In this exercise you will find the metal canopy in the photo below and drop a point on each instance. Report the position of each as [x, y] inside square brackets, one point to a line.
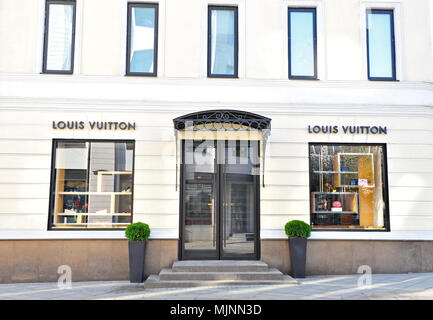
[224, 120]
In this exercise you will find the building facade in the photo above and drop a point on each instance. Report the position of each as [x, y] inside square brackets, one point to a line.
[215, 122]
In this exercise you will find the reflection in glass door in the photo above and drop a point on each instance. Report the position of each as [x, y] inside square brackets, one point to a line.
[199, 223]
[220, 192]
[239, 180]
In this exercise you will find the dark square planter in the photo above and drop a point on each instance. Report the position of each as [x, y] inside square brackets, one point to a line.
[136, 261]
[298, 256]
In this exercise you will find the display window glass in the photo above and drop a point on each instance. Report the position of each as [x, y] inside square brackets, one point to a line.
[92, 184]
[348, 186]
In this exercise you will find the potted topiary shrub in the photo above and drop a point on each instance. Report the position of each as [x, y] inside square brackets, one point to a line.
[137, 234]
[298, 231]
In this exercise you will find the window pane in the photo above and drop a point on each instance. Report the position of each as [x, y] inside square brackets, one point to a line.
[347, 187]
[142, 41]
[92, 185]
[302, 42]
[380, 46]
[60, 31]
[222, 42]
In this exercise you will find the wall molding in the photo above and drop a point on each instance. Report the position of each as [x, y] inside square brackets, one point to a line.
[174, 234]
[132, 93]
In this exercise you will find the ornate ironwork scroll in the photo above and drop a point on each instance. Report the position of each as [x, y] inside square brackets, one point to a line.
[224, 120]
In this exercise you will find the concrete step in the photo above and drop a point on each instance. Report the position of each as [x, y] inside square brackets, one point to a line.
[153, 281]
[270, 274]
[219, 266]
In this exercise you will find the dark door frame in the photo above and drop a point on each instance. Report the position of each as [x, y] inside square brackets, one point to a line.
[218, 183]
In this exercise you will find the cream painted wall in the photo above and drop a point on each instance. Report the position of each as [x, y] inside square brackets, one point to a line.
[343, 40]
[101, 37]
[30, 101]
[25, 156]
[103, 24]
[265, 30]
[418, 59]
[18, 32]
[183, 41]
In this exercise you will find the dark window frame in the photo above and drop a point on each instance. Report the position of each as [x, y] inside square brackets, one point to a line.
[390, 12]
[155, 39]
[385, 185]
[52, 182]
[314, 12]
[46, 32]
[235, 74]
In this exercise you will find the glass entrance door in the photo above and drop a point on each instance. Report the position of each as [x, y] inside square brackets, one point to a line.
[239, 179]
[220, 199]
[199, 171]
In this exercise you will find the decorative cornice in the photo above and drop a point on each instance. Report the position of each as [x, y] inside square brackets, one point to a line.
[95, 93]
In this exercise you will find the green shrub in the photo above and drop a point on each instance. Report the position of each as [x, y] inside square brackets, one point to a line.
[138, 231]
[297, 228]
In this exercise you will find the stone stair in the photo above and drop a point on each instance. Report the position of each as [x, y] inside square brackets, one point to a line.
[199, 273]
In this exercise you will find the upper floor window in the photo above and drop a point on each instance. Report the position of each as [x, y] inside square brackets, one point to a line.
[380, 45]
[302, 43]
[222, 42]
[142, 39]
[59, 37]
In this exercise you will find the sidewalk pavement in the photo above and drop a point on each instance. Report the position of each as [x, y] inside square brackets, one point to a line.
[336, 287]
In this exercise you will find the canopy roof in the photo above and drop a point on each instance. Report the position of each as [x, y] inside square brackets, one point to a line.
[222, 119]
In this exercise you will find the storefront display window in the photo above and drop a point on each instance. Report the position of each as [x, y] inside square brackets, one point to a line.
[348, 186]
[91, 184]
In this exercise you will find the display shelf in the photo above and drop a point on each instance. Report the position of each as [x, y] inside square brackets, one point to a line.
[93, 214]
[105, 218]
[91, 223]
[336, 196]
[333, 172]
[363, 165]
[90, 193]
[362, 173]
[335, 212]
[322, 208]
[102, 173]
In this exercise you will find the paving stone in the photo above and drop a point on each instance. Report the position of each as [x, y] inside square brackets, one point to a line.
[400, 287]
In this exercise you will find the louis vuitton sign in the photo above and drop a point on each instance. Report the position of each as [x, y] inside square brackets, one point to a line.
[93, 125]
[330, 129]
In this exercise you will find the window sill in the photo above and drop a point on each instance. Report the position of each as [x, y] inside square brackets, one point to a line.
[57, 72]
[222, 77]
[304, 78]
[140, 75]
[383, 79]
